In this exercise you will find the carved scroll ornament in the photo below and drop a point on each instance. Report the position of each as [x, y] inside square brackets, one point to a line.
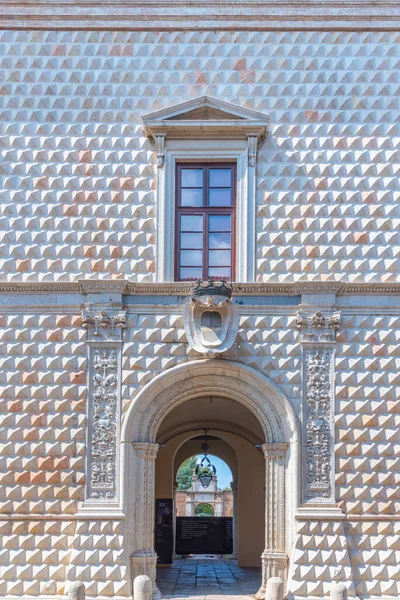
[103, 444]
[318, 422]
[318, 336]
[104, 355]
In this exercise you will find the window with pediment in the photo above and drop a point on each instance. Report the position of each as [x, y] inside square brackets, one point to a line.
[206, 153]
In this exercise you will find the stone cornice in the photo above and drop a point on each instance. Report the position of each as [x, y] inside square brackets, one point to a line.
[184, 289]
[234, 122]
[194, 15]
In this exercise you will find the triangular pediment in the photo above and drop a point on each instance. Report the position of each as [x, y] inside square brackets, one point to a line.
[205, 113]
[204, 117]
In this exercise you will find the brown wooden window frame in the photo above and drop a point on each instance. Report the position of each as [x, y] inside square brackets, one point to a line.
[204, 211]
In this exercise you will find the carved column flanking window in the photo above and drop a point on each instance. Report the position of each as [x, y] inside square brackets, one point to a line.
[274, 558]
[318, 341]
[104, 331]
[144, 558]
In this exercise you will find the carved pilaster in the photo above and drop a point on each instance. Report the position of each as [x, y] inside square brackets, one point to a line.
[252, 142]
[274, 558]
[318, 340]
[103, 406]
[144, 558]
[160, 150]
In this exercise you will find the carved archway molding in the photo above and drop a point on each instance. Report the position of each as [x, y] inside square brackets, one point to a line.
[139, 450]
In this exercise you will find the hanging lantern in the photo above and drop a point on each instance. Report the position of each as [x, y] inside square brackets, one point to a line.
[205, 471]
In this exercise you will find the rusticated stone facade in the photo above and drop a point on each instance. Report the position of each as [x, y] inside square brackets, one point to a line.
[78, 205]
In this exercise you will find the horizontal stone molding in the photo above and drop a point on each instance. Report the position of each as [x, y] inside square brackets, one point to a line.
[191, 14]
[185, 288]
[307, 515]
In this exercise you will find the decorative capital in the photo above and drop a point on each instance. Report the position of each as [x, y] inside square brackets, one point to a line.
[276, 450]
[318, 328]
[103, 327]
[146, 450]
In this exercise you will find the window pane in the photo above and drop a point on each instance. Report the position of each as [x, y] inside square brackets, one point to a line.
[190, 273]
[219, 241]
[191, 223]
[191, 197]
[220, 272]
[191, 258]
[192, 178]
[192, 240]
[219, 223]
[220, 197]
[220, 177]
[219, 257]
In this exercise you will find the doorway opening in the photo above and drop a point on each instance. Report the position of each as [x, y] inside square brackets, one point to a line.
[203, 505]
[193, 498]
[253, 416]
[222, 521]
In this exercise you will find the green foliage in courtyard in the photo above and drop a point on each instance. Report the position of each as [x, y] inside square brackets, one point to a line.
[185, 472]
[204, 510]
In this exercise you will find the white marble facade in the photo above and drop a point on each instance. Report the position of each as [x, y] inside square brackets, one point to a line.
[78, 205]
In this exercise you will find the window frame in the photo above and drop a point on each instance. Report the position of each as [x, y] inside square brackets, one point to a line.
[222, 150]
[204, 210]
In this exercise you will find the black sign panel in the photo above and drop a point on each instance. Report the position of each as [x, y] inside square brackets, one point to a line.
[164, 531]
[204, 535]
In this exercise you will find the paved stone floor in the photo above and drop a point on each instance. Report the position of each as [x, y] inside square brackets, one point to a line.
[207, 577]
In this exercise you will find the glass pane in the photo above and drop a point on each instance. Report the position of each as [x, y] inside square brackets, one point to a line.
[191, 197]
[220, 272]
[190, 273]
[220, 177]
[219, 223]
[219, 257]
[192, 240]
[191, 258]
[192, 177]
[220, 197]
[191, 223]
[219, 241]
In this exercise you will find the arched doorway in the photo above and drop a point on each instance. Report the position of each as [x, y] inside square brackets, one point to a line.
[277, 421]
[204, 510]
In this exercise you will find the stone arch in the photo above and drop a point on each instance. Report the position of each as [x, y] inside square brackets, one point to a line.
[139, 449]
[200, 505]
[227, 378]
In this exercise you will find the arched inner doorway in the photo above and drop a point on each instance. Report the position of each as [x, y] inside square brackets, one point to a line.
[236, 437]
[148, 426]
[196, 496]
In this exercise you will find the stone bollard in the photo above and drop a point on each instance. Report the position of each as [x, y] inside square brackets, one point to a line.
[76, 591]
[274, 590]
[338, 591]
[142, 588]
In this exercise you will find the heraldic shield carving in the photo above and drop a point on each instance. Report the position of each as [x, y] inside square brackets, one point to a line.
[211, 319]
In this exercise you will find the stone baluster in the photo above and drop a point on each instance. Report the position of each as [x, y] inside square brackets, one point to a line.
[144, 557]
[274, 558]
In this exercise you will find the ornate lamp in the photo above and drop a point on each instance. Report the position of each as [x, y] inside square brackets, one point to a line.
[205, 471]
